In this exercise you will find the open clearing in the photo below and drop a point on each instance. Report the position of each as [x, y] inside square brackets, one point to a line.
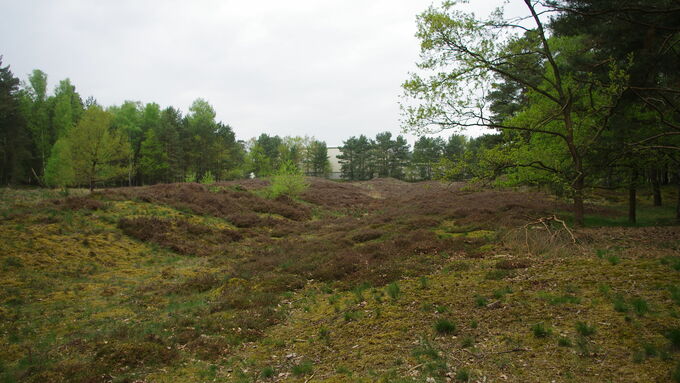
[370, 281]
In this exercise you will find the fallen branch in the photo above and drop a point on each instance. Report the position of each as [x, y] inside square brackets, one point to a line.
[545, 222]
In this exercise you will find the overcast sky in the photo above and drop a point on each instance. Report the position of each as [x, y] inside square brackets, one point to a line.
[325, 68]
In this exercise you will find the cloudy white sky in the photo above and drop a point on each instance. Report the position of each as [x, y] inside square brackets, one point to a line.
[325, 68]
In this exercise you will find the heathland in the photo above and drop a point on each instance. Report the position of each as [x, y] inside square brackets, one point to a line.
[369, 281]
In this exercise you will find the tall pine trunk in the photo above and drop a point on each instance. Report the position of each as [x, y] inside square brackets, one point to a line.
[677, 207]
[656, 186]
[632, 197]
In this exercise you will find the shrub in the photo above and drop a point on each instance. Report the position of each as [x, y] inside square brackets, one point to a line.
[267, 372]
[288, 181]
[324, 333]
[303, 368]
[540, 330]
[393, 290]
[208, 178]
[674, 336]
[444, 326]
[190, 177]
[675, 375]
[463, 375]
[640, 306]
[675, 294]
[620, 304]
[564, 342]
[650, 349]
[480, 301]
[585, 329]
[500, 293]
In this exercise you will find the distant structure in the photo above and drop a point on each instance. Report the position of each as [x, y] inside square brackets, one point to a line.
[336, 170]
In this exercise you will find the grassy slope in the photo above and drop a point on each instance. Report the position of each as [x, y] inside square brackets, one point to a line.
[84, 302]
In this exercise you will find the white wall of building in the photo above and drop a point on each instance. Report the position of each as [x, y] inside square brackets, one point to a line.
[333, 153]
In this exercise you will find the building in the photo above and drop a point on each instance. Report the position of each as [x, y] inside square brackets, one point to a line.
[336, 172]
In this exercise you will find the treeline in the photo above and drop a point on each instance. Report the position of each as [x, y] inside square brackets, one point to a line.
[363, 158]
[584, 94]
[59, 140]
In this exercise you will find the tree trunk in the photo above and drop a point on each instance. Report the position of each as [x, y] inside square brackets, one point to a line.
[656, 186]
[632, 197]
[578, 202]
[677, 207]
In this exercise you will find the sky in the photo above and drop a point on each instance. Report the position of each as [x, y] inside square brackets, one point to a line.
[330, 69]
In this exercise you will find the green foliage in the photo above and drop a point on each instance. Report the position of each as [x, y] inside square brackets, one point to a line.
[675, 374]
[548, 118]
[463, 375]
[444, 326]
[640, 306]
[673, 335]
[154, 163]
[316, 159]
[59, 170]
[287, 181]
[427, 151]
[99, 153]
[208, 178]
[540, 330]
[304, 368]
[393, 290]
[267, 372]
[584, 329]
[190, 177]
[500, 293]
[613, 259]
[15, 139]
[355, 160]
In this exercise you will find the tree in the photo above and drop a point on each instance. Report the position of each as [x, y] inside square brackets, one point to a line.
[127, 119]
[646, 135]
[462, 56]
[99, 152]
[227, 153]
[355, 160]
[258, 162]
[426, 152]
[15, 152]
[169, 134]
[153, 162]
[37, 116]
[455, 146]
[288, 181]
[201, 128]
[68, 107]
[271, 145]
[316, 159]
[59, 171]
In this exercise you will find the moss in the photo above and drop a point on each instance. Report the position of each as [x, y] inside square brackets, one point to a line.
[80, 298]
